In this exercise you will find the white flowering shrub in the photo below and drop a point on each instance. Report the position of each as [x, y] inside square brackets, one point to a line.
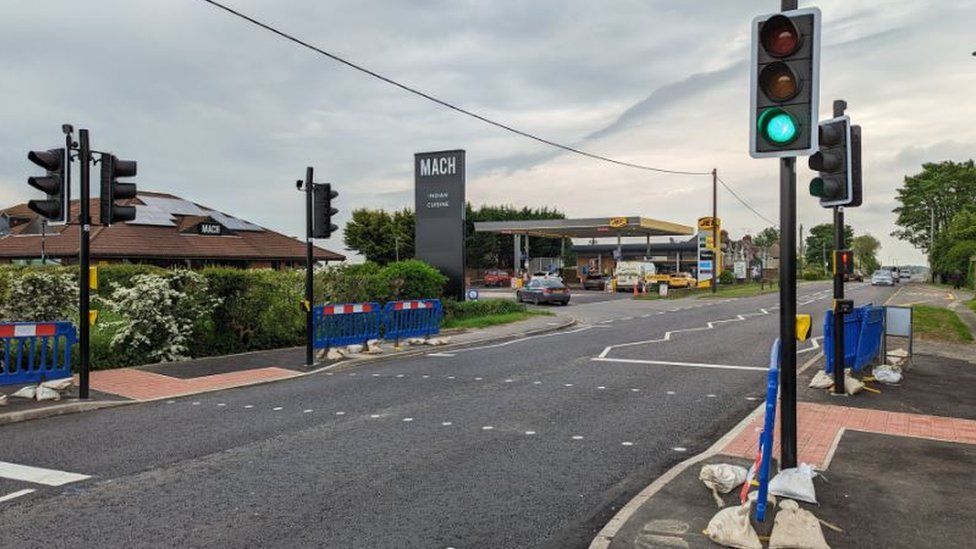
[40, 295]
[159, 314]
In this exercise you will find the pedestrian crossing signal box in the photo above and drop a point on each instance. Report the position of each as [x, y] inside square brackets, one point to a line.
[843, 262]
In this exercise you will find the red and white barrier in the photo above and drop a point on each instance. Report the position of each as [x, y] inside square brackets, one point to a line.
[27, 330]
[347, 308]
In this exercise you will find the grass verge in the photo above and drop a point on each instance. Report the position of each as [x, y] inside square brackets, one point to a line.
[938, 324]
[491, 319]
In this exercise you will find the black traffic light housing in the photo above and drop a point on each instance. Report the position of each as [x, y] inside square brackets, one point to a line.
[112, 190]
[322, 195]
[834, 185]
[857, 191]
[55, 206]
[785, 83]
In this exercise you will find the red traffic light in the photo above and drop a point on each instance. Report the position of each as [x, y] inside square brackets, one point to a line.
[779, 36]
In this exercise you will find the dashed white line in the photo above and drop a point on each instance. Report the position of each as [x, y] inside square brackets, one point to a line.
[221, 404]
[577, 437]
[170, 402]
[478, 378]
[407, 419]
[248, 406]
[509, 380]
[679, 449]
[487, 428]
[567, 384]
[38, 475]
[626, 443]
[686, 364]
[307, 411]
[340, 413]
[635, 390]
[536, 383]
[277, 408]
[374, 416]
[670, 392]
[446, 423]
[195, 403]
[710, 395]
[530, 433]
[602, 387]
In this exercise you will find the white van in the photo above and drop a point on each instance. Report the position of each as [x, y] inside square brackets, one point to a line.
[627, 274]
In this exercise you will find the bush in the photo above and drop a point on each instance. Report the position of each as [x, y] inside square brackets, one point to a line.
[159, 315]
[413, 279]
[727, 277]
[410, 279]
[43, 294]
[460, 310]
[813, 274]
[113, 277]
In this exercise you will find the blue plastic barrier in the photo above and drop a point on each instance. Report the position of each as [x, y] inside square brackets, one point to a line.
[769, 423]
[346, 324]
[414, 318]
[863, 329]
[31, 352]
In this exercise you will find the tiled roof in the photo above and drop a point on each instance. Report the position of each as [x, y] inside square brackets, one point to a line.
[128, 240]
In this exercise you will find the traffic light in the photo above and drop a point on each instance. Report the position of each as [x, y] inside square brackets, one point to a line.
[322, 195]
[843, 262]
[785, 83]
[112, 190]
[833, 161]
[55, 206]
[856, 185]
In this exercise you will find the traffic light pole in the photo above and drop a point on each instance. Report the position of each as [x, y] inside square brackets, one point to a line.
[309, 279]
[84, 286]
[838, 295]
[787, 301]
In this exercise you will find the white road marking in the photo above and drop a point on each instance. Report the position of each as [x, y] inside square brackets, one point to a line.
[445, 355]
[408, 419]
[450, 377]
[536, 383]
[340, 413]
[487, 428]
[425, 377]
[577, 437]
[567, 384]
[195, 403]
[38, 475]
[602, 387]
[376, 375]
[277, 408]
[814, 345]
[374, 416]
[514, 341]
[248, 406]
[446, 423]
[635, 390]
[509, 380]
[710, 395]
[685, 364]
[752, 398]
[307, 411]
[530, 432]
[399, 375]
[352, 373]
[170, 401]
[679, 449]
[221, 404]
[478, 378]
[670, 392]
[626, 443]
[17, 494]
[626, 318]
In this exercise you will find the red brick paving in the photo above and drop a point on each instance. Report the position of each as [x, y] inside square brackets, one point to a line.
[819, 424]
[142, 385]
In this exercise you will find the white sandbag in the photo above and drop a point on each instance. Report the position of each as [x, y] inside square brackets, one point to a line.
[898, 353]
[3, 399]
[795, 483]
[415, 341]
[46, 393]
[334, 354]
[373, 347]
[731, 527]
[59, 385]
[354, 349]
[26, 392]
[796, 528]
[821, 380]
[852, 385]
[722, 477]
[438, 341]
[320, 354]
[887, 374]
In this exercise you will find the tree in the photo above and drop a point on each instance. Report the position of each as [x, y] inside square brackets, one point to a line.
[865, 248]
[380, 236]
[764, 241]
[945, 188]
[955, 246]
[820, 244]
[497, 250]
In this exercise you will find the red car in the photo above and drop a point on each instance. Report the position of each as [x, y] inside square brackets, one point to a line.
[497, 277]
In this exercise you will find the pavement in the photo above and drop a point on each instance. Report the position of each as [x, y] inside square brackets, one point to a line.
[895, 463]
[530, 441]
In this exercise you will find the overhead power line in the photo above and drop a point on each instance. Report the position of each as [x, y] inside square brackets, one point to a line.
[746, 204]
[443, 103]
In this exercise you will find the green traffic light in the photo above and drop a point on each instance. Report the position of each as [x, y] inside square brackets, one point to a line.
[778, 126]
[817, 187]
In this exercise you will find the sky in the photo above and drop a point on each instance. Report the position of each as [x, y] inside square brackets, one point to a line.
[222, 113]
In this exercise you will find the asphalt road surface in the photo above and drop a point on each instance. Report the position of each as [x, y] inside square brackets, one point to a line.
[527, 443]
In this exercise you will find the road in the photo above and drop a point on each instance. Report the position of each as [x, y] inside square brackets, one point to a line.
[527, 443]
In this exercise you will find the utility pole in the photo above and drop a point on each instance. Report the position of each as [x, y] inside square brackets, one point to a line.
[84, 221]
[931, 241]
[715, 233]
[802, 257]
[839, 107]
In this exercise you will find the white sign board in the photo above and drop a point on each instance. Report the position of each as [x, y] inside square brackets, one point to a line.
[740, 270]
[898, 321]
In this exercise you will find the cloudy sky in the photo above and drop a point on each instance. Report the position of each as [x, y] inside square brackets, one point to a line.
[222, 113]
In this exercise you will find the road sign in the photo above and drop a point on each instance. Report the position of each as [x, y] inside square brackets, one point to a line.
[472, 295]
[740, 269]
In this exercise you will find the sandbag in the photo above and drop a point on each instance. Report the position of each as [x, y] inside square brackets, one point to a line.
[373, 347]
[795, 483]
[26, 392]
[334, 354]
[821, 380]
[722, 477]
[415, 341]
[59, 385]
[887, 374]
[852, 385]
[3, 400]
[796, 528]
[438, 341]
[46, 393]
[731, 527]
[355, 348]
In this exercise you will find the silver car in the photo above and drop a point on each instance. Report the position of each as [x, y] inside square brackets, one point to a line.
[882, 278]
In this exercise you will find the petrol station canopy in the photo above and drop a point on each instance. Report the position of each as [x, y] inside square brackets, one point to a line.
[591, 227]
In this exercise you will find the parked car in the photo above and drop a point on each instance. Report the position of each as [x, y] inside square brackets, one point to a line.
[682, 280]
[634, 273]
[497, 277]
[858, 276]
[541, 290]
[882, 278]
[595, 281]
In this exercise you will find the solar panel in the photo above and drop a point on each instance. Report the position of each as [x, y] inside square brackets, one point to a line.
[146, 215]
[175, 206]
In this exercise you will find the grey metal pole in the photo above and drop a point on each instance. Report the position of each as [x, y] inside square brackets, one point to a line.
[715, 241]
